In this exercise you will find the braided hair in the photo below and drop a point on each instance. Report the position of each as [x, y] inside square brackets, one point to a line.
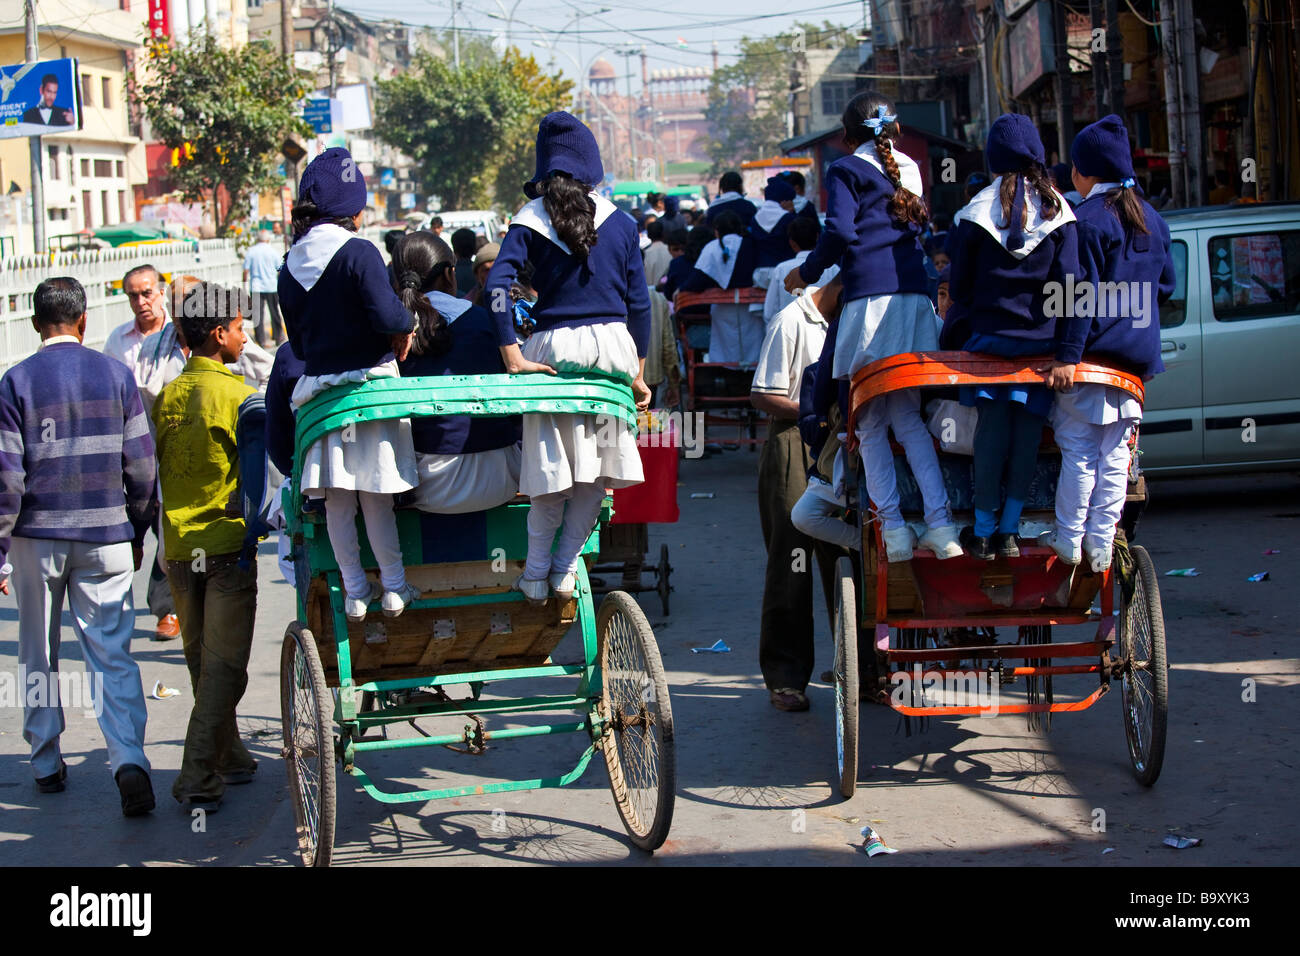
[420, 259]
[905, 206]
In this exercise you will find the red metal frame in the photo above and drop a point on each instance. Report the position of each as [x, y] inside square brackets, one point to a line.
[685, 300]
[946, 587]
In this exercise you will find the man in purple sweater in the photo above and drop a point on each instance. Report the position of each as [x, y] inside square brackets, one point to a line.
[77, 480]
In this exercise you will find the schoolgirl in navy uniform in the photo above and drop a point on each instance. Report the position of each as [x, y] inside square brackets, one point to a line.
[347, 325]
[769, 229]
[873, 223]
[1015, 238]
[727, 262]
[592, 314]
[465, 464]
[1121, 240]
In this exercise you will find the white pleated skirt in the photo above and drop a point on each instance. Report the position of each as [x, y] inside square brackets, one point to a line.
[370, 456]
[878, 326]
[457, 484]
[560, 451]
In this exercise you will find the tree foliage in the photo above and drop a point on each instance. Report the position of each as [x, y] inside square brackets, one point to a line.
[470, 130]
[228, 111]
[749, 99]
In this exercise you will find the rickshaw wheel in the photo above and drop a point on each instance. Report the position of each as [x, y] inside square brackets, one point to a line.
[640, 752]
[846, 677]
[308, 734]
[665, 569]
[1144, 683]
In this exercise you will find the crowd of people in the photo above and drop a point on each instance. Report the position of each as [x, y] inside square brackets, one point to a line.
[99, 449]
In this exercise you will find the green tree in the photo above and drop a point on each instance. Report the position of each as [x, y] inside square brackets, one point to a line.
[469, 129]
[749, 99]
[227, 111]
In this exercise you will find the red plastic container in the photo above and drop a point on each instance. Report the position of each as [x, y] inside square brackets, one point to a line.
[655, 500]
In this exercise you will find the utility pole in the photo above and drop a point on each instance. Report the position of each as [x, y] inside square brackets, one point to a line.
[455, 33]
[627, 53]
[1064, 99]
[34, 142]
[1173, 105]
[1115, 61]
[1190, 62]
[1100, 79]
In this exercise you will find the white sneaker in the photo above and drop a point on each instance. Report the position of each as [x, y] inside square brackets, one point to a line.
[1065, 550]
[898, 544]
[1098, 555]
[394, 602]
[354, 608]
[535, 592]
[942, 540]
[563, 585]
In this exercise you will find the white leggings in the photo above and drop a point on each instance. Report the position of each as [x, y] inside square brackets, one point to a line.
[814, 515]
[545, 516]
[381, 529]
[902, 411]
[1094, 479]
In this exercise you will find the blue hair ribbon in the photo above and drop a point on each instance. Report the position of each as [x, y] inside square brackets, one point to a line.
[882, 118]
[1128, 183]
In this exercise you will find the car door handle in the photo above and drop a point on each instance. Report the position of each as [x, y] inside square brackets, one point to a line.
[1168, 346]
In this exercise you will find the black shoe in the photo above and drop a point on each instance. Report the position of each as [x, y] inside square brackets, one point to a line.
[975, 546]
[55, 782]
[136, 790]
[206, 804]
[1005, 546]
[235, 778]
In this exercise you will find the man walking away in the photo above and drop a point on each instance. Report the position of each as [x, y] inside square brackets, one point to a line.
[261, 272]
[77, 491]
[143, 289]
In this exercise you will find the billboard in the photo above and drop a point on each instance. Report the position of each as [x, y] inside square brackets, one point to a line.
[39, 98]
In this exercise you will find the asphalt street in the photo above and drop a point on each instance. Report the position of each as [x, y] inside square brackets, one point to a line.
[756, 786]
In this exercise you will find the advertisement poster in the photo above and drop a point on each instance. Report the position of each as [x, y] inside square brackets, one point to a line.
[37, 99]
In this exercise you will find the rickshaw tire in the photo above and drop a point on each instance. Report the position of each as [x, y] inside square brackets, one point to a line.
[647, 834]
[297, 637]
[847, 678]
[1145, 601]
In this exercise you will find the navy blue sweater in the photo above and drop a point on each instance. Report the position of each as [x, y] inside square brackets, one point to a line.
[473, 351]
[677, 272]
[742, 207]
[607, 286]
[1107, 253]
[76, 459]
[770, 248]
[876, 255]
[339, 308]
[285, 372]
[994, 293]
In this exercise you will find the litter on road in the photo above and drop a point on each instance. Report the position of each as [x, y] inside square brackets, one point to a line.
[1183, 573]
[717, 647]
[873, 844]
[1181, 842]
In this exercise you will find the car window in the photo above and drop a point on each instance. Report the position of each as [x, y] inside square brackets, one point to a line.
[1255, 275]
[1173, 311]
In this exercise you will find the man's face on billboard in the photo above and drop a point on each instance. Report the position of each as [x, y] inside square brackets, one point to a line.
[48, 92]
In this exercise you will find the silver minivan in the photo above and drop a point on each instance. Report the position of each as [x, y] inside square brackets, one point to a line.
[1229, 399]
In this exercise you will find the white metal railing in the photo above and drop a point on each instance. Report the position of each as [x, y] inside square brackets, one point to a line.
[213, 260]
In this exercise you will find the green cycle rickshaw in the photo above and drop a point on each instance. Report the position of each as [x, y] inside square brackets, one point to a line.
[342, 683]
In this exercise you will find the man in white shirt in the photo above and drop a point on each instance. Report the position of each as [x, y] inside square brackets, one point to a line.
[786, 652]
[803, 233]
[143, 288]
[261, 272]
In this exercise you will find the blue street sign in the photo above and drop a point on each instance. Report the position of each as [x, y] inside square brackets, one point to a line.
[317, 113]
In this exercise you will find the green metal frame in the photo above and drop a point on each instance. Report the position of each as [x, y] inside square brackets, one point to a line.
[477, 395]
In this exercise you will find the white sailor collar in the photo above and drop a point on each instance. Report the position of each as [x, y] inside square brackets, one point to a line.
[982, 209]
[909, 173]
[309, 256]
[536, 218]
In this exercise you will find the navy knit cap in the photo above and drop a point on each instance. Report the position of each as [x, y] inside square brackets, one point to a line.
[565, 145]
[778, 190]
[1102, 150]
[334, 183]
[1013, 144]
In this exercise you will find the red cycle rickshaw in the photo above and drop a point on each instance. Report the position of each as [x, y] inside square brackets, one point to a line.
[893, 619]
